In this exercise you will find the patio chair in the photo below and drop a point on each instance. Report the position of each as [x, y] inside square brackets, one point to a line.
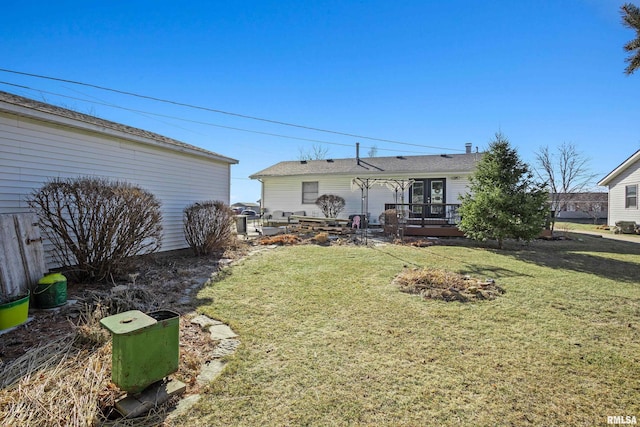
[355, 222]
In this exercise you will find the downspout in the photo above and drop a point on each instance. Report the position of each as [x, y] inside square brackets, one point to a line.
[261, 196]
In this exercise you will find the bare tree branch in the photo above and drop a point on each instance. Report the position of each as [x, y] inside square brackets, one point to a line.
[317, 152]
[567, 171]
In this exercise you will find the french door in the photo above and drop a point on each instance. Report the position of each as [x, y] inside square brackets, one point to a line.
[430, 191]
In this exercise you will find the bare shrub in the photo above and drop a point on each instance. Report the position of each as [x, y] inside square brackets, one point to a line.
[208, 226]
[330, 205]
[389, 220]
[95, 225]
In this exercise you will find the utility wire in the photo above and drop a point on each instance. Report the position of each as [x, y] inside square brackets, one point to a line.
[244, 116]
[196, 121]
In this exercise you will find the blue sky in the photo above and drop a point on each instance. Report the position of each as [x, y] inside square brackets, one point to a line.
[430, 73]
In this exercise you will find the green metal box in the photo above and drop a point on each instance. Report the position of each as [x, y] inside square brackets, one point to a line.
[145, 349]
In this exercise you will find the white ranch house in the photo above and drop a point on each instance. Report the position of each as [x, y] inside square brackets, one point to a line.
[39, 141]
[293, 186]
[623, 183]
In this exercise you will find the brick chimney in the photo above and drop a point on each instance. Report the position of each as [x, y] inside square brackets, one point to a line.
[467, 148]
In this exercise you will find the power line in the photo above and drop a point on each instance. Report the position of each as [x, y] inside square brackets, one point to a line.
[244, 116]
[195, 121]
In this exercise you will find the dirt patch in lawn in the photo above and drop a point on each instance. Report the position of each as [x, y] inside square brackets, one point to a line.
[431, 283]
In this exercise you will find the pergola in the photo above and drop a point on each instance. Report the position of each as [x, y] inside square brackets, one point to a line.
[364, 184]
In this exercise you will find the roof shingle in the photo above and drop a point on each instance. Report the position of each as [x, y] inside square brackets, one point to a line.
[445, 163]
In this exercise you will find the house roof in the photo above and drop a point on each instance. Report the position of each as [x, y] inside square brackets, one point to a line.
[39, 110]
[623, 166]
[445, 163]
[583, 197]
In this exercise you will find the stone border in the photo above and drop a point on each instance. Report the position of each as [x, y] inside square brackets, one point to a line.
[227, 345]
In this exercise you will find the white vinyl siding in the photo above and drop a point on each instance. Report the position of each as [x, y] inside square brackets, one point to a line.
[283, 193]
[33, 151]
[618, 195]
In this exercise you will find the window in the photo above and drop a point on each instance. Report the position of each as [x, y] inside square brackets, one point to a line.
[631, 196]
[309, 192]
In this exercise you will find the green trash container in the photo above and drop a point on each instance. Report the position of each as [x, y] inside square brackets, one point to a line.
[145, 347]
[51, 291]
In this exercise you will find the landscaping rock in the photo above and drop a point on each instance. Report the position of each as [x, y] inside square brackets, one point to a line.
[205, 321]
[210, 371]
[221, 332]
[225, 348]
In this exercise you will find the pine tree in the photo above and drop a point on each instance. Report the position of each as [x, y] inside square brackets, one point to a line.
[631, 19]
[504, 202]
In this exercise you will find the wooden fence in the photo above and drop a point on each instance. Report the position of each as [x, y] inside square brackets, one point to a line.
[21, 254]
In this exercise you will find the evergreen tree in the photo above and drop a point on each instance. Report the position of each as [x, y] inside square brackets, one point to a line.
[505, 202]
[631, 19]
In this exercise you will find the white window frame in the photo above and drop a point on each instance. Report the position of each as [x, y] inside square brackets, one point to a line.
[628, 197]
[308, 195]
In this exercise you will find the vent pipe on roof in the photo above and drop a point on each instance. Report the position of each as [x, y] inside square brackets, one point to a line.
[467, 147]
[358, 153]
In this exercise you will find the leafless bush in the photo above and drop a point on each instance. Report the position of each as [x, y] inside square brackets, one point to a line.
[208, 226]
[95, 224]
[389, 220]
[330, 205]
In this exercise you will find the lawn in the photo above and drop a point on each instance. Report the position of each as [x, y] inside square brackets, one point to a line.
[328, 340]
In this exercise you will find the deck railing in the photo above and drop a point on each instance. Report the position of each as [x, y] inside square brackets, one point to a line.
[424, 214]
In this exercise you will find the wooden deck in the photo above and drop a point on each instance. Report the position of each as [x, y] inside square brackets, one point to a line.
[424, 219]
[426, 227]
[433, 231]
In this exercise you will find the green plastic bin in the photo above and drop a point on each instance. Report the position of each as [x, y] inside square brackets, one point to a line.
[145, 347]
[14, 313]
[51, 291]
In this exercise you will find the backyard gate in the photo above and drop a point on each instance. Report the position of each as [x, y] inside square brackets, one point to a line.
[21, 254]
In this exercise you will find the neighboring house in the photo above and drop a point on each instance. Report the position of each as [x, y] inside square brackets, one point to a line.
[40, 141]
[589, 205]
[295, 185]
[623, 183]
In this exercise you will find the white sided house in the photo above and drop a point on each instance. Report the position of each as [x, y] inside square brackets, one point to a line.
[436, 180]
[39, 141]
[623, 183]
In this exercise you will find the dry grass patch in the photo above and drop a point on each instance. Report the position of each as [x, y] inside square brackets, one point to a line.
[415, 242]
[281, 239]
[322, 237]
[435, 283]
[60, 384]
[56, 370]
